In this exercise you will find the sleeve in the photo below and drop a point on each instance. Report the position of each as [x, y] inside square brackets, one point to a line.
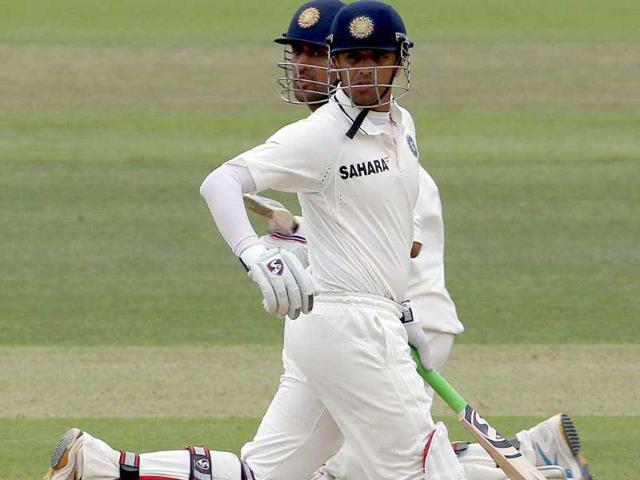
[222, 190]
[296, 159]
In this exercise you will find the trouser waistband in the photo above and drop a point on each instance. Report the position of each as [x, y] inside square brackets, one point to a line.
[357, 299]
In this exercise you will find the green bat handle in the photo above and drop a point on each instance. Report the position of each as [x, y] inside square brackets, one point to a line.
[440, 385]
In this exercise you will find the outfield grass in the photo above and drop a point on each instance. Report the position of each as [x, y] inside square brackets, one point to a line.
[113, 113]
[227, 21]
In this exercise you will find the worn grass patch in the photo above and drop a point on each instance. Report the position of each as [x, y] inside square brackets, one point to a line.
[240, 381]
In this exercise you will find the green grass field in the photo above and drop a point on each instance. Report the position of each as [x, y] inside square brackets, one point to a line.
[113, 278]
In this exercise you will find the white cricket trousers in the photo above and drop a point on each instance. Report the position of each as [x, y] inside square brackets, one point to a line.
[348, 374]
[345, 465]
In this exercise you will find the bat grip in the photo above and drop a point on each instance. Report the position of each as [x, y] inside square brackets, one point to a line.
[443, 388]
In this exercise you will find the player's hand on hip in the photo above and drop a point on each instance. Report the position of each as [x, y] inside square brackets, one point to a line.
[416, 336]
[295, 244]
[276, 226]
[286, 287]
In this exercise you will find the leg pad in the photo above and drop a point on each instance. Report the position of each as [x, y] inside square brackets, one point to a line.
[200, 463]
[129, 466]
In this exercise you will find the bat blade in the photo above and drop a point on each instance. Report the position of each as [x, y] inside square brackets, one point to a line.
[506, 456]
[282, 219]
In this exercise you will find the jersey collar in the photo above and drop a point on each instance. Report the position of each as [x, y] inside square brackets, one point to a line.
[368, 128]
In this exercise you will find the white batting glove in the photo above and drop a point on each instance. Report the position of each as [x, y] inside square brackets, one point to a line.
[286, 287]
[416, 336]
[295, 244]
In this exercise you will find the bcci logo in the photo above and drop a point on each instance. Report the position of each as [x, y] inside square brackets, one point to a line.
[361, 27]
[412, 146]
[309, 17]
[275, 267]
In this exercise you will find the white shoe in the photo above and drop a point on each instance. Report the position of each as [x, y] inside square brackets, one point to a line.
[555, 442]
[66, 461]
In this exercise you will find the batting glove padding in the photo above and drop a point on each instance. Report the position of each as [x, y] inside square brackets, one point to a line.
[286, 287]
[416, 336]
[295, 244]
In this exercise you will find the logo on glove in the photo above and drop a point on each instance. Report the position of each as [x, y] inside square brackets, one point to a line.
[203, 464]
[276, 267]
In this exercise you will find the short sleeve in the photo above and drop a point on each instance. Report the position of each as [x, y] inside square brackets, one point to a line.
[294, 159]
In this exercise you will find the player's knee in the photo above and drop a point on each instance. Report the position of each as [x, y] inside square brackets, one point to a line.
[225, 463]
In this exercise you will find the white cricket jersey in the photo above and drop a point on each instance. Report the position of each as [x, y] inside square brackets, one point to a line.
[357, 195]
[427, 291]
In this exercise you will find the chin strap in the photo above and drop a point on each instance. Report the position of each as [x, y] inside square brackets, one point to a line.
[357, 123]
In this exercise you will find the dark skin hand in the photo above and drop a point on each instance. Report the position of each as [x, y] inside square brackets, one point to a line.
[416, 248]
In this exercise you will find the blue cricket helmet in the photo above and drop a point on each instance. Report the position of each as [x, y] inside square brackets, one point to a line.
[368, 24]
[311, 23]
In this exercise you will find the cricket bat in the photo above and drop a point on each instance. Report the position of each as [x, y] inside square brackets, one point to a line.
[506, 456]
[274, 211]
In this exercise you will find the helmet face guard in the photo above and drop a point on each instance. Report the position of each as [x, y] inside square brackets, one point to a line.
[370, 25]
[301, 83]
[398, 84]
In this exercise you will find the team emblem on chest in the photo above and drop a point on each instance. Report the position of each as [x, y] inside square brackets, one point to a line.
[363, 168]
[412, 145]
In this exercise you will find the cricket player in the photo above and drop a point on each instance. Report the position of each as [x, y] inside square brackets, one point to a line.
[435, 322]
[348, 372]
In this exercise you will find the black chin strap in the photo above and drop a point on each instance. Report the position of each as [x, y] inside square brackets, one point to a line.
[357, 123]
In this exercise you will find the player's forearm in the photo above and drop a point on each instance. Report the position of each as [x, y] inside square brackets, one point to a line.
[222, 190]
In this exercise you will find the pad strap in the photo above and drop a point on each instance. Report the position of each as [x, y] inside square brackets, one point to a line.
[129, 466]
[200, 463]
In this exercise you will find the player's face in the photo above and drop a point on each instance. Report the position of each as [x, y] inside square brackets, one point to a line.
[365, 84]
[309, 72]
